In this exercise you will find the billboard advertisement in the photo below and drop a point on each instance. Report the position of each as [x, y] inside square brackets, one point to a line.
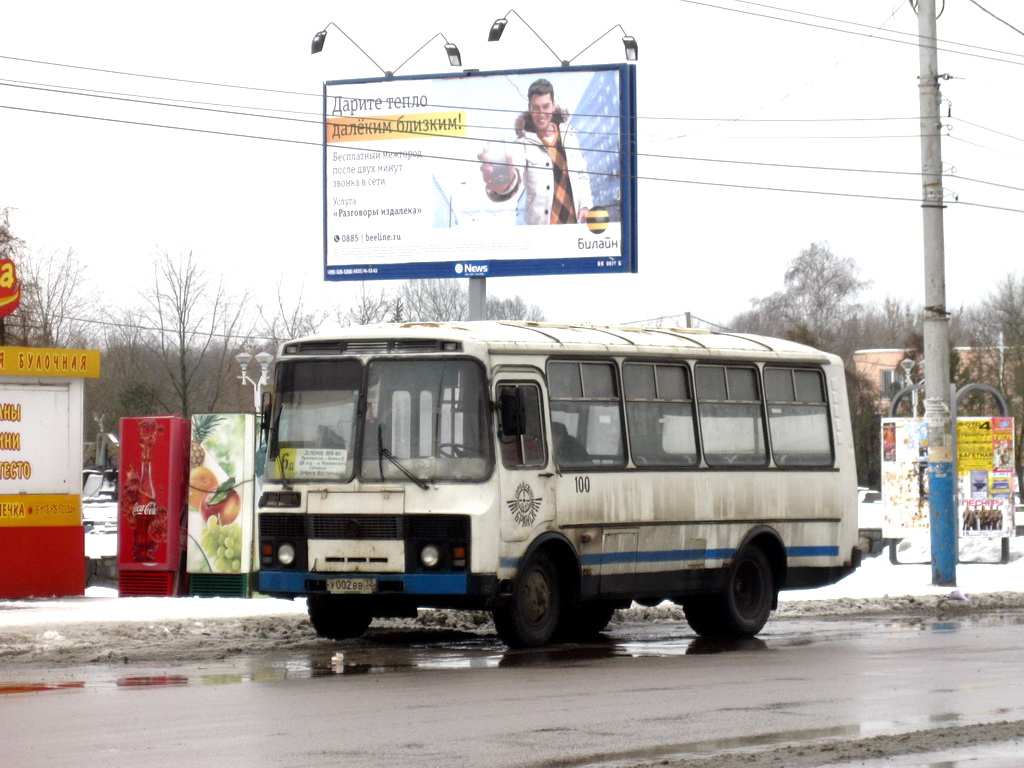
[463, 175]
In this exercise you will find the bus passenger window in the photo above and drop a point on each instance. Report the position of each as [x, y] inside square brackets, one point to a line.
[525, 449]
[731, 421]
[798, 417]
[585, 401]
[659, 406]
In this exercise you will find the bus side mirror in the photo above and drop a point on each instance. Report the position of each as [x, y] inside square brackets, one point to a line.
[511, 411]
[265, 417]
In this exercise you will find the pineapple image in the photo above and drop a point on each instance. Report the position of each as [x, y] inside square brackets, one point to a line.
[201, 479]
[202, 427]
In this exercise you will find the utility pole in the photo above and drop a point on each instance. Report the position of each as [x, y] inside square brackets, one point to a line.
[942, 512]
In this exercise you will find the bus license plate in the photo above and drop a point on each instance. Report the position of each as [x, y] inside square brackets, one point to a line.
[351, 586]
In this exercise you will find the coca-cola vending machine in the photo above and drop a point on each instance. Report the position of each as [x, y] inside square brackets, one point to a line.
[152, 506]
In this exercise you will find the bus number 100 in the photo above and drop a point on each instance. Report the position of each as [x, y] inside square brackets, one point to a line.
[582, 485]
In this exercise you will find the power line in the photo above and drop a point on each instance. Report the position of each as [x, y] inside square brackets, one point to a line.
[320, 146]
[1001, 21]
[912, 42]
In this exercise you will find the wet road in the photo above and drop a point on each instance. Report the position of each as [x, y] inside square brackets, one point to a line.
[441, 699]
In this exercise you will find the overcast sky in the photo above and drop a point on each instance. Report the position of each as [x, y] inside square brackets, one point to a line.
[737, 101]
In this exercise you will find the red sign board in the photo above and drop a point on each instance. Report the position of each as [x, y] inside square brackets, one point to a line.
[10, 288]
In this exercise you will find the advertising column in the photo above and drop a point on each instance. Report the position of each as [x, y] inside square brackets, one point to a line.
[152, 485]
[42, 541]
[221, 503]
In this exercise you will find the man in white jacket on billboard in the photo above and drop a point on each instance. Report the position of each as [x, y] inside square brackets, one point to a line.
[549, 163]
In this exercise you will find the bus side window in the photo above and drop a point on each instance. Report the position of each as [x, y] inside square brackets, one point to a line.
[526, 447]
[798, 417]
[585, 399]
[659, 404]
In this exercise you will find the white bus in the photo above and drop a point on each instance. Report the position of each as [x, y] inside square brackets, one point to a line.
[553, 473]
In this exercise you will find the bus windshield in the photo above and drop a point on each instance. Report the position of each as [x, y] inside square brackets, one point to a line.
[314, 429]
[427, 418]
[421, 421]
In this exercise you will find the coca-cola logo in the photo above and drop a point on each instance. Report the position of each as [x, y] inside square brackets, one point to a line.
[144, 509]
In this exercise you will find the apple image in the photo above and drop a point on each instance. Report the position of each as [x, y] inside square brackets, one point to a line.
[201, 480]
[223, 502]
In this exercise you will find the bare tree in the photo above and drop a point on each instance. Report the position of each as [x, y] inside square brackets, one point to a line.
[434, 300]
[58, 306]
[282, 323]
[515, 308]
[817, 304]
[193, 324]
[370, 307]
[10, 245]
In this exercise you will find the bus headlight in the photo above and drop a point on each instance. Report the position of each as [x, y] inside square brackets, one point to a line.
[430, 556]
[286, 554]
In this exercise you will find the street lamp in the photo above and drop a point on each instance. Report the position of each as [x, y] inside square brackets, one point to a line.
[908, 365]
[454, 57]
[628, 42]
[498, 27]
[264, 359]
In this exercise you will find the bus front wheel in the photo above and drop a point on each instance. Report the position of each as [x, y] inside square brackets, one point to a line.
[742, 608]
[338, 618]
[530, 616]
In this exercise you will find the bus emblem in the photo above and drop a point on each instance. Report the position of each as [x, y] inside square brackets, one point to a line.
[525, 505]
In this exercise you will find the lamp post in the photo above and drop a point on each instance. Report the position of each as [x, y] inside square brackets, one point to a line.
[908, 365]
[264, 359]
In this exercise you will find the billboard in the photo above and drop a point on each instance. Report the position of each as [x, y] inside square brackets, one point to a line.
[458, 175]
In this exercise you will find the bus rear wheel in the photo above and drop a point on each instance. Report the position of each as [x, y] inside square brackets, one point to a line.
[742, 609]
[530, 616]
[338, 618]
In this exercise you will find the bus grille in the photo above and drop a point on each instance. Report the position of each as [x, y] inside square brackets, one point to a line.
[276, 525]
[354, 527]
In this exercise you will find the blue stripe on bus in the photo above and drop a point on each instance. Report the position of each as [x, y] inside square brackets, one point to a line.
[671, 555]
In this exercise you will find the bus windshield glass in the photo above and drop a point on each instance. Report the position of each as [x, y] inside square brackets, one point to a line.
[425, 419]
[314, 432]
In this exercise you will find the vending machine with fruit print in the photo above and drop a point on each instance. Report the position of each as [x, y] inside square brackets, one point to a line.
[152, 504]
[221, 504]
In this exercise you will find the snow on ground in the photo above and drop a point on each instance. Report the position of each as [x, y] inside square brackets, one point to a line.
[104, 628]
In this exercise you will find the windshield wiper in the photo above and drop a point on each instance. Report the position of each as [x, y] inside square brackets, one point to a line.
[384, 453]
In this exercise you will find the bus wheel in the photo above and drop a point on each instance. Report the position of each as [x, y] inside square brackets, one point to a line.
[530, 616]
[742, 609]
[338, 618]
[589, 619]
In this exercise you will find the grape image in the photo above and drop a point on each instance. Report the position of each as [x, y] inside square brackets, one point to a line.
[222, 545]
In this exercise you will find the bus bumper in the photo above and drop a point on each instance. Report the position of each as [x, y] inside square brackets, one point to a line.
[297, 583]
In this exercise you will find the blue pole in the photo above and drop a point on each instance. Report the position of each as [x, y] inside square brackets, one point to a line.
[943, 523]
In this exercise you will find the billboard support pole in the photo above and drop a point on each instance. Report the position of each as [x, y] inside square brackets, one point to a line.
[478, 298]
[942, 513]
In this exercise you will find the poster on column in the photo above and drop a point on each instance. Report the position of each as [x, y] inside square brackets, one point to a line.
[985, 475]
[904, 476]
